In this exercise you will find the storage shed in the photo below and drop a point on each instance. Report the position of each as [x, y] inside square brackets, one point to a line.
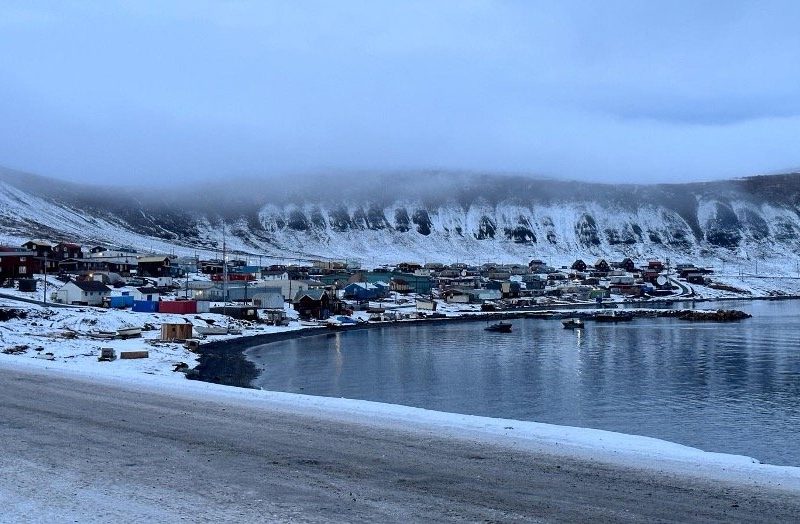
[171, 332]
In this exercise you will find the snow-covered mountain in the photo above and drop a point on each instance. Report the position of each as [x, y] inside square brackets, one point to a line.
[422, 217]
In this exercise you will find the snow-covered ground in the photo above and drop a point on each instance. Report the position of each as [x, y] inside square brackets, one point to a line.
[69, 337]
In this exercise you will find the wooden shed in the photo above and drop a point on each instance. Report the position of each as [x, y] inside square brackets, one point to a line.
[170, 332]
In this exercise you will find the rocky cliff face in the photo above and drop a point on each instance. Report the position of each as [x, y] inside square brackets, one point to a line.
[440, 217]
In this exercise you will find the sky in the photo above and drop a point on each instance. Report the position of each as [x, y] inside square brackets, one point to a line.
[147, 92]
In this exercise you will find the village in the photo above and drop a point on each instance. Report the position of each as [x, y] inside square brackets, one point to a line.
[86, 303]
[123, 278]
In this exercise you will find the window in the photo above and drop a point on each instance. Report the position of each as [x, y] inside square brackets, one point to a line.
[22, 259]
[23, 270]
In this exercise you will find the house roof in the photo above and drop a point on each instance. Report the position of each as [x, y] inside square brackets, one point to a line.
[7, 251]
[313, 294]
[148, 290]
[363, 285]
[152, 259]
[91, 285]
[38, 243]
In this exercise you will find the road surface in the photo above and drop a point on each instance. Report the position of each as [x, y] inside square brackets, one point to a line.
[74, 451]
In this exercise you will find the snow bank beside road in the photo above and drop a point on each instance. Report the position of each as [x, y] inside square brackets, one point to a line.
[588, 444]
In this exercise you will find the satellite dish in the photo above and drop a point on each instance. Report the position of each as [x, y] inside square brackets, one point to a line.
[463, 272]
[661, 280]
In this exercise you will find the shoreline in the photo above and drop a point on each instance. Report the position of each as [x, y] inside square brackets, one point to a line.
[224, 361]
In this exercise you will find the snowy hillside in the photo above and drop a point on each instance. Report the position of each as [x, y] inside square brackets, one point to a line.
[424, 217]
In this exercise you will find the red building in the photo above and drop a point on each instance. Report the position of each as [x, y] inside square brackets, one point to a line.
[65, 250]
[18, 263]
[42, 250]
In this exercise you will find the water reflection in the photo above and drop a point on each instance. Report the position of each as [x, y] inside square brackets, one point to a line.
[721, 387]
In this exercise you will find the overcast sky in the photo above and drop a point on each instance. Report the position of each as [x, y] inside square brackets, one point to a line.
[618, 91]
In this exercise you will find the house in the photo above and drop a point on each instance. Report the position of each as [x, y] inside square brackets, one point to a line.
[696, 278]
[400, 285]
[338, 279]
[77, 265]
[625, 280]
[312, 303]
[602, 266]
[408, 267]
[578, 265]
[655, 265]
[153, 266]
[628, 265]
[534, 282]
[149, 293]
[17, 262]
[364, 291]
[185, 265]
[65, 250]
[426, 305]
[277, 274]
[271, 298]
[535, 265]
[42, 249]
[482, 295]
[252, 272]
[509, 289]
[87, 292]
[290, 287]
[211, 267]
[330, 264]
[456, 296]
[245, 292]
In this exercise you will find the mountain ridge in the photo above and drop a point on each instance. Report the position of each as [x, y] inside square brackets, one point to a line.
[397, 216]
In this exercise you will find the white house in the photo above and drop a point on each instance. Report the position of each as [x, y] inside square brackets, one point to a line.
[274, 275]
[89, 292]
[270, 298]
[289, 287]
[146, 293]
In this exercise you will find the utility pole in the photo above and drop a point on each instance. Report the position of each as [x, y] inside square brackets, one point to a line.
[224, 273]
[45, 278]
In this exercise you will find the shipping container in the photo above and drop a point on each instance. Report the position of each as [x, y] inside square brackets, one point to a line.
[180, 307]
[145, 306]
[121, 302]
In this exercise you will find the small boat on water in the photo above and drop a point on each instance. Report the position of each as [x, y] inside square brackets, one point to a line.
[614, 316]
[129, 331]
[572, 323]
[500, 327]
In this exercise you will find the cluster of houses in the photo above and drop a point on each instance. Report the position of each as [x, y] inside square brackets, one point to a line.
[41, 256]
[323, 288]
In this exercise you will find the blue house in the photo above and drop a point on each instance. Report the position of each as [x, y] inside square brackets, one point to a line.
[365, 291]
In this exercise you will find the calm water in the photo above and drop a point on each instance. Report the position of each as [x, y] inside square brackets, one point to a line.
[721, 387]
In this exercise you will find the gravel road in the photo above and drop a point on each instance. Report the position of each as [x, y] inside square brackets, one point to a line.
[83, 452]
